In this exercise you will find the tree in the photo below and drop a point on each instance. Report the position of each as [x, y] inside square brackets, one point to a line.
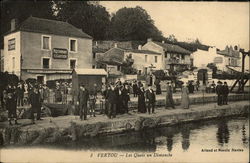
[21, 10]
[91, 17]
[133, 24]
[127, 66]
[171, 38]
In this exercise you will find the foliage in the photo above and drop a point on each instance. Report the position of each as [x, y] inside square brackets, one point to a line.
[171, 39]
[21, 10]
[127, 66]
[7, 78]
[91, 17]
[133, 24]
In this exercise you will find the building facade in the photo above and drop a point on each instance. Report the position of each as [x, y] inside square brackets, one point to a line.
[228, 59]
[46, 49]
[173, 57]
[143, 60]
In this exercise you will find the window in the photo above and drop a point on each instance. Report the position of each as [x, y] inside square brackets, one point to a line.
[72, 63]
[72, 45]
[94, 55]
[155, 59]
[46, 42]
[46, 62]
[11, 44]
[146, 58]
[182, 57]
[13, 64]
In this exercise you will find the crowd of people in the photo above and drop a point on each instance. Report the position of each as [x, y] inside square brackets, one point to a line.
[115, 97]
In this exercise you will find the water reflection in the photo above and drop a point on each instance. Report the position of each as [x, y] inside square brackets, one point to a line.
[222, 133]
[185, 138]
[182, 137]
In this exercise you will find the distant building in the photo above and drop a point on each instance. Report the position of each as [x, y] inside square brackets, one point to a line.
[46, 49]
[173, 57]
[201, 58]
[143, 60]
[228, 59]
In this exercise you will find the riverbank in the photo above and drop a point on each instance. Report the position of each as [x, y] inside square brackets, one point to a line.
[70, 128]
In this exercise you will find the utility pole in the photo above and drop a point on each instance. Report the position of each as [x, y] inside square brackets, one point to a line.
[242, 82]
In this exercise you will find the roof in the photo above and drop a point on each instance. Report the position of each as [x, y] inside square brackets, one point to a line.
[46, 26]
[142, 51]
[173, 48]
[91, 72]
[229, 52]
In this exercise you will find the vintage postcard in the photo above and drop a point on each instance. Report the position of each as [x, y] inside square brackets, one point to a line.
[124, 81]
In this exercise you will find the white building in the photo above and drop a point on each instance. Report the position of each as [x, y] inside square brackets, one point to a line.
[202, 57]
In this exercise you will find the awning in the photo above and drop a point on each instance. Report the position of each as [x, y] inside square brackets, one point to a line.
[237, 69]
[91, 72]
[49, 71]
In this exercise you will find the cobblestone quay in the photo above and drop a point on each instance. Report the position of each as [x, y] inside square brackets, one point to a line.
[70, 128]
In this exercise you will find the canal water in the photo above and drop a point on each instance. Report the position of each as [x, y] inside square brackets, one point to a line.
[222, 138]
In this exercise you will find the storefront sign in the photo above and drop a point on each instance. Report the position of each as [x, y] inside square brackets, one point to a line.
[60, 53]
[11, 44]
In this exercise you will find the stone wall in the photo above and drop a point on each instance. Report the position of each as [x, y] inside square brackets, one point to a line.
[75, 130]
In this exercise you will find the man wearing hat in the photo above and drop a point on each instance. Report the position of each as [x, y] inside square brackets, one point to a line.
[112, 97]
[169, 96]
[219, 92]
[83, 97]
[125, 97]
[225, 93]
[36, 104]
[11, 105]
[150, 96]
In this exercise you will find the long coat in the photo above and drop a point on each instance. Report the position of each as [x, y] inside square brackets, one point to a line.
[184, 98]
[35, 100]
[150, 96]
[141, 101]
[83, 97]
[112, 96]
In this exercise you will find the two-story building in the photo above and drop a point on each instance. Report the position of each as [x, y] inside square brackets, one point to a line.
[228, 59]
[173, 57]
[143, 60]
[46, 49]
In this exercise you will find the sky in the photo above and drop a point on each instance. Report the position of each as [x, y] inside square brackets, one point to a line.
[214, 23]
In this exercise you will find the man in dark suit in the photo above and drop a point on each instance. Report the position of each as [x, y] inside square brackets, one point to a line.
[83, 97]
[150, 96]
[225, 93]
[125, 97]
[219, 92]
[112, 97]
[11, 104]
[169, 96]
[36, 104]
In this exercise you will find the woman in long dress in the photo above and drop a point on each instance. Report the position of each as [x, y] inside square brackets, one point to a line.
[185, 97]
[141, 100]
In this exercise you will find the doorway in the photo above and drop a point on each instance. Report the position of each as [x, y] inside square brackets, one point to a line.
[40, 79]
[202, 76]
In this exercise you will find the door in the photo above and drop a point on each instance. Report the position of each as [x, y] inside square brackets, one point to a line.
[40, 79]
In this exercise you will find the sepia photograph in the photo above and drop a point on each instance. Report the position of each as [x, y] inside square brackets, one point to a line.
[124, 81]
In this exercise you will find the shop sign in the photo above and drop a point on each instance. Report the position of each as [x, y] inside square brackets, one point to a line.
[59, 53]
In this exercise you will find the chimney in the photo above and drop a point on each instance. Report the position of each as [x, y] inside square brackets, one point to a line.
[149, 39]
[13, 24]
[163, 41]
[139, 47]
[115, 45]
